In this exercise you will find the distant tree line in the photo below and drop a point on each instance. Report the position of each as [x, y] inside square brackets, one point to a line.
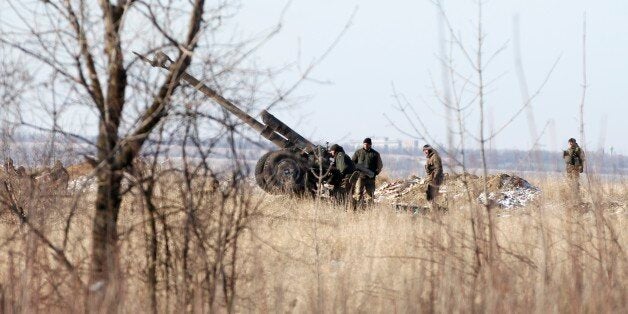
[399, 162]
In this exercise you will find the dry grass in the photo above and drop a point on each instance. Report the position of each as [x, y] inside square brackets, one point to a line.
[306, 256]
[550, 259]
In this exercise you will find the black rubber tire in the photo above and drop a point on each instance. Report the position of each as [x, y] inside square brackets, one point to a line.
[284, 173]
[260, 179]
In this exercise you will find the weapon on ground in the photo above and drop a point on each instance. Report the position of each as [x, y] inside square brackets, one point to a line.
[293, 169]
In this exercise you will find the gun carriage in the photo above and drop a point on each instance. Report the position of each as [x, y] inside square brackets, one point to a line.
[294, 168]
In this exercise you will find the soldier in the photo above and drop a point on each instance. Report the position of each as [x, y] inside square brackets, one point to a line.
[370, 159]
[434, 171]
[574, 164]
[343, 168]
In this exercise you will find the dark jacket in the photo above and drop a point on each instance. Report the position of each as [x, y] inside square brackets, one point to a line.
[369, 159]
[434, 168]
[344, 164]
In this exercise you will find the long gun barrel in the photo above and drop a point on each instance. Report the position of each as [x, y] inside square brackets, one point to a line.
[163, 61]
[281, 128]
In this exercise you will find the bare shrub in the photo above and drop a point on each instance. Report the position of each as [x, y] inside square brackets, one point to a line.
[89, 82]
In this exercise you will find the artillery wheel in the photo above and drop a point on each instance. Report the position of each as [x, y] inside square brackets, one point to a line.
[284, 173]
[260, 179]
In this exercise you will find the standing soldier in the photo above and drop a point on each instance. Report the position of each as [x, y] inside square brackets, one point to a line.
[574, 164]
[343, 168]
[434, 171]
[368, 158]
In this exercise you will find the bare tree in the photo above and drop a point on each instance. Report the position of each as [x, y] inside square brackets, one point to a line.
[87, 46]
[463, 97]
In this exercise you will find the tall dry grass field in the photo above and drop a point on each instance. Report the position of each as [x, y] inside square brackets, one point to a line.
[555, 255]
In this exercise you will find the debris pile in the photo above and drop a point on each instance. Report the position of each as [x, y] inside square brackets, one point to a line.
[83, 183]
[392, 191]
[507, 191]
[46, 178]
[81, 177]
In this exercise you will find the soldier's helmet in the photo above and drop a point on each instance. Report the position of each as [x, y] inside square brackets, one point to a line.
[336, 148]
[572, 140]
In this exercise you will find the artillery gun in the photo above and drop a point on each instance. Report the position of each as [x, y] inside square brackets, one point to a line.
[295, 168]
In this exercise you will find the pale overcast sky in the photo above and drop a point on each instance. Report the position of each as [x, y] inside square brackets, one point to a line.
[397, 42]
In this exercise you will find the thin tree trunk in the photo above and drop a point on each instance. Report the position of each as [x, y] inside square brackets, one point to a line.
[480, 71]
[104, 239]
[153, 248]
[167, 262]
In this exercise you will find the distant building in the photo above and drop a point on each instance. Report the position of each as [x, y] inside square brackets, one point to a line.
[386, 144]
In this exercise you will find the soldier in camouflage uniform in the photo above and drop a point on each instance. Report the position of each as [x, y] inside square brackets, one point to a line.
[342, 169]
[434, 171]
[365, 186]
[574, 164]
